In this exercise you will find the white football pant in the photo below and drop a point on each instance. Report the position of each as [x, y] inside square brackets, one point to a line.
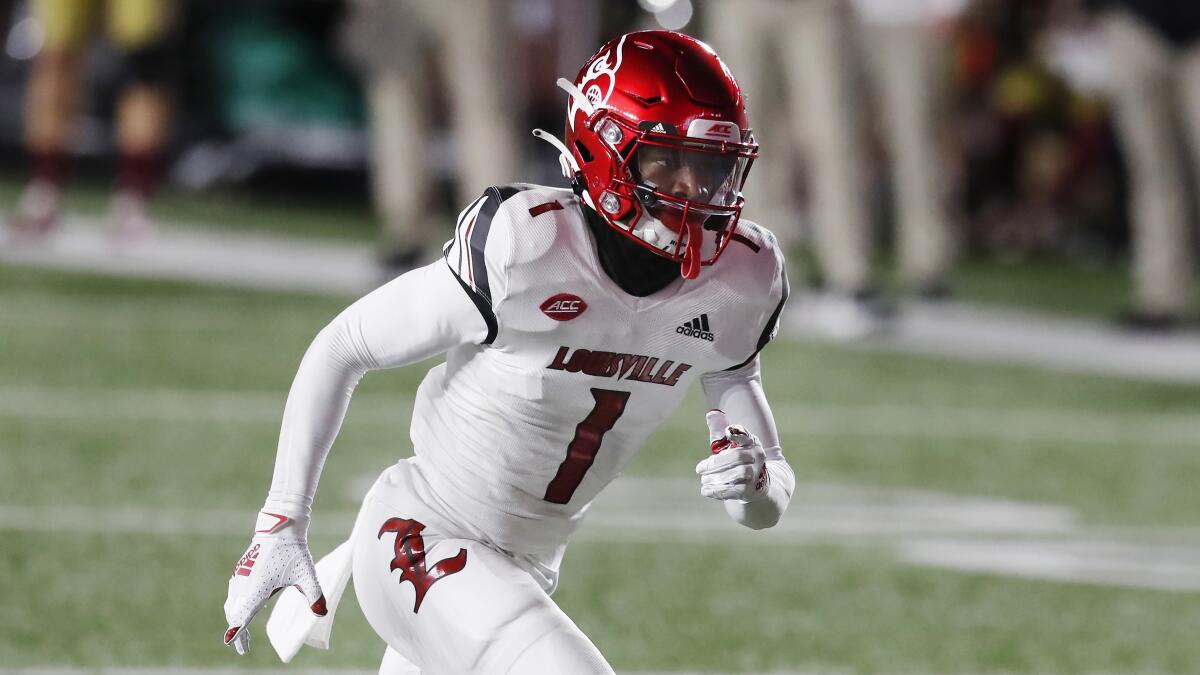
[450, 604]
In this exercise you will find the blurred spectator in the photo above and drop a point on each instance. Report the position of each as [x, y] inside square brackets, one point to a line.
[1037, 198]
[139, 29]
[1155, 49]
[812, 40]
[905, 47]
[1040, 174]
[391, 41]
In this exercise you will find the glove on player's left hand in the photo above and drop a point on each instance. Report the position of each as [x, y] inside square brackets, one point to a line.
[737, 467]
[278, 557]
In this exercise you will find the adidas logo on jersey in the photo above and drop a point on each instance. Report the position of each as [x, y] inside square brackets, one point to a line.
[697, 328]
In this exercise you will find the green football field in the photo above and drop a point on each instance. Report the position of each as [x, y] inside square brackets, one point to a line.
[138, 424]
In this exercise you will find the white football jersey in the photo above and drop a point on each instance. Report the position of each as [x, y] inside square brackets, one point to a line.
[516, 436]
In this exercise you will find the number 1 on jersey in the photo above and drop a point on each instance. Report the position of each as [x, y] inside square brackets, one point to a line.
[582, 449]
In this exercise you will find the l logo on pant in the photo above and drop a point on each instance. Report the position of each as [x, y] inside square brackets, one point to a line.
[410, 557]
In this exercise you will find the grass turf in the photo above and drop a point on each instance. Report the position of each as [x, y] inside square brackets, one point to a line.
[127, 393]
[122, 600]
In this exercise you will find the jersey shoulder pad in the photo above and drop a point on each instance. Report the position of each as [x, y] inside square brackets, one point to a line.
[485, 242]
[750, 238]
[753, 263]
[539, 221]
[756, 268]
[480, 248]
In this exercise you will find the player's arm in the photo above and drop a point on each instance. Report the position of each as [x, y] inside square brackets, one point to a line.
[418, 315]
[747, 469]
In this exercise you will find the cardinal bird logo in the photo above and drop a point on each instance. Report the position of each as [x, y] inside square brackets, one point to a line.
[410, 557]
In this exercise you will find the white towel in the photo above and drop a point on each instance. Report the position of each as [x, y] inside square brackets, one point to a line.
[292, 623]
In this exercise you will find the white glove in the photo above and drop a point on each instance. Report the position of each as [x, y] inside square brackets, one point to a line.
[737, 468]
[278, 557]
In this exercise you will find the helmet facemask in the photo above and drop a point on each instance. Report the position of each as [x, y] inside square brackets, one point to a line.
[678, 195]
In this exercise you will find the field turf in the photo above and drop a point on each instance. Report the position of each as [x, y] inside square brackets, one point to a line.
[165, 398]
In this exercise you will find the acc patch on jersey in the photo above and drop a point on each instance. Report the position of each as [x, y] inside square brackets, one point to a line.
[563, 306]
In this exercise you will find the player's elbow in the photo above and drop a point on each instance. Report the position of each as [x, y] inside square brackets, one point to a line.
[339, 344]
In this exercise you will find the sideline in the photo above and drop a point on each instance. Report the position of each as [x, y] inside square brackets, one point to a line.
[272, 262]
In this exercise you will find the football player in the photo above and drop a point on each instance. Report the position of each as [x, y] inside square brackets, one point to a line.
[572, 322]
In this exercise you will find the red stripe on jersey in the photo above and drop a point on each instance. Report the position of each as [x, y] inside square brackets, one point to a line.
[739, 238]
[542, 208]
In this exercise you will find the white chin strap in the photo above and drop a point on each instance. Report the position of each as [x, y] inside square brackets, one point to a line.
[576, 99]
[654, 232]
[565, 159]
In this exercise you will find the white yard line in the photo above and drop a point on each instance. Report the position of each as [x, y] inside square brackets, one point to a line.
[177, 670]
[1165, 568]
[870, 420]
[661, 509]
[1014, 336]
[174, 405]
[173, 670]
[240, 259]
[1014, 425]
[823, 510]
[155, 316]
[928, 529]
[147, 521]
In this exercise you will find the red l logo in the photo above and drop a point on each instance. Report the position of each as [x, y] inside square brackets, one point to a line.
[563, 307]
[410, 557]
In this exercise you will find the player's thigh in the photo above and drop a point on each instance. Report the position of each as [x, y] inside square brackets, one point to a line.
[66, 25]
[454, 605]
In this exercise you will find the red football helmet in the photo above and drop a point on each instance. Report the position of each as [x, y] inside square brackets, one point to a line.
[658, 144]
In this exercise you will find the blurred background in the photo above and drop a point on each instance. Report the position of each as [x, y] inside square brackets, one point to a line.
[987, 379]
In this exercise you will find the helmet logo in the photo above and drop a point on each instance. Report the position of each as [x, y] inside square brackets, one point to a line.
[720, 131]
[714, 129]
[563, 306]
[599, 80]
